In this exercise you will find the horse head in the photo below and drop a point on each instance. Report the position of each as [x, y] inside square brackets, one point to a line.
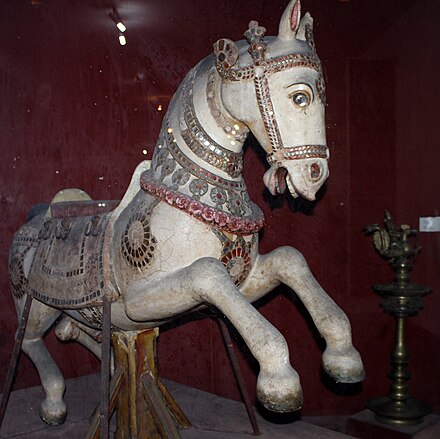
[283, 75]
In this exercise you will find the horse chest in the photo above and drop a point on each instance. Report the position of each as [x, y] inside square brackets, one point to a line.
[167, 239]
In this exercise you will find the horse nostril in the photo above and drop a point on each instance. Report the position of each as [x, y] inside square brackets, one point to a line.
[315, 171]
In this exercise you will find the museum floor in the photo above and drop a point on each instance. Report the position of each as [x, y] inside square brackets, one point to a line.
[212, 417]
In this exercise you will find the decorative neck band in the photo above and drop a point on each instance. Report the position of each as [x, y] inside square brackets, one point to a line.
[192, 167]
[201, 144]
[224, 221]
[232, 128]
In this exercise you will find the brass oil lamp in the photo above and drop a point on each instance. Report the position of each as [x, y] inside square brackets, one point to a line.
[400, 299]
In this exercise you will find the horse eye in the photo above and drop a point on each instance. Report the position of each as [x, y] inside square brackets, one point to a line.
[301, 99]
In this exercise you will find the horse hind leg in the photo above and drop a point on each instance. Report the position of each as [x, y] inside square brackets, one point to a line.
[53, 408]
[340, 359]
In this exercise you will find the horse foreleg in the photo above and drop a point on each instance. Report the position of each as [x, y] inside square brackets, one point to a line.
[287, 265]
[207, 281]
[53, 409]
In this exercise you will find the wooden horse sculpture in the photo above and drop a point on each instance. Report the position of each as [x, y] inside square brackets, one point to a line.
[185, 234]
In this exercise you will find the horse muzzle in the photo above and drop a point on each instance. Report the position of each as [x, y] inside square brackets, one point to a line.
[302, 170]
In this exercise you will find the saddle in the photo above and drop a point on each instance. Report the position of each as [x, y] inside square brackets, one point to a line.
[68, 267]
[69, 209]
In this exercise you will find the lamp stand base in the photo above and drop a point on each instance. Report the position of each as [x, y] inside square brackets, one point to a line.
[366, 425]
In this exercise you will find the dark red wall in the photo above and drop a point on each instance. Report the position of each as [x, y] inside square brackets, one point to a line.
[77, 110]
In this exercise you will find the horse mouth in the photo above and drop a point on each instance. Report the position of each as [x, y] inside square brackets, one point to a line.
[301, 179]
[278, 179]
[292, 189]
[283, 181]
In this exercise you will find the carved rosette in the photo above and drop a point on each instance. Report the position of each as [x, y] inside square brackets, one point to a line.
[17, 279]
[236, 255]
[138, 244]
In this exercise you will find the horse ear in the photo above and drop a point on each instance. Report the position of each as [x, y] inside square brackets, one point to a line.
[305, 29]
[290, 20]
[226, 53]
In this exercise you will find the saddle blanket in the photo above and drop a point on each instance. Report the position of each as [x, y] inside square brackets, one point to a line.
[67, 269]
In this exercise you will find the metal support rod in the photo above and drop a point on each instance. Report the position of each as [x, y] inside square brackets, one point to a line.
[105, 368]
[14, 358]
[238, 375]
[115, 387]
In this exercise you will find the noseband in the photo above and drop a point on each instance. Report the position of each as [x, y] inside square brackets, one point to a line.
[227, 54]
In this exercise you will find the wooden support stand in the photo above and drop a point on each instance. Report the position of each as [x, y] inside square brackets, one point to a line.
[145, 409]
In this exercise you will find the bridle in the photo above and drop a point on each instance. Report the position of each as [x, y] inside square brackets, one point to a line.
[226, 56]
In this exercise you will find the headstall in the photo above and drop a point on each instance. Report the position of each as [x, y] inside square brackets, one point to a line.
[226, 54]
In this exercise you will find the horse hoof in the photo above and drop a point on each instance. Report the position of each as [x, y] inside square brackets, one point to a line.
[344, 367]
[280, 393]
[53, 414]
[281, 404]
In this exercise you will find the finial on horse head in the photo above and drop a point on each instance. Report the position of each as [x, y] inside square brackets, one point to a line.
[291, 27]
[254, 36]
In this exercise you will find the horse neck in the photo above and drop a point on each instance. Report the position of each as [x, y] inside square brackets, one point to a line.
[199, 151]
